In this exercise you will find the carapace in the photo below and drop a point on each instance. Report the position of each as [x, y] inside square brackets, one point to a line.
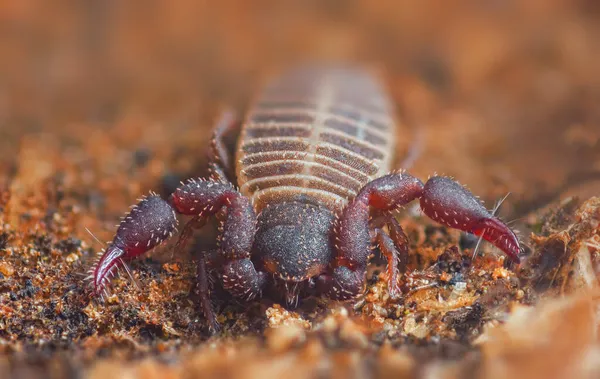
[315, 194]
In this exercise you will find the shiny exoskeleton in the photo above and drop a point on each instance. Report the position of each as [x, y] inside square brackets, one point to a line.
[314, 197]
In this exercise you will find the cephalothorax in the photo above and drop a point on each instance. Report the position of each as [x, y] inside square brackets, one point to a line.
[313, 198]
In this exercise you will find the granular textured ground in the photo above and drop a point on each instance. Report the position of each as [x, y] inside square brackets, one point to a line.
[101, 102]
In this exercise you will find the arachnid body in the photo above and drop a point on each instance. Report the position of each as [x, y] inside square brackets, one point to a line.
[314, 195]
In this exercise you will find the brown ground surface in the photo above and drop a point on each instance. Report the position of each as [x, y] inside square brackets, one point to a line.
[101, 101]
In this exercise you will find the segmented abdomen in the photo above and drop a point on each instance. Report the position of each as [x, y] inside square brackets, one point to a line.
[322, 133]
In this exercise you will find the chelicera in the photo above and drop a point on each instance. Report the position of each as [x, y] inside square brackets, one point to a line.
[313, 197]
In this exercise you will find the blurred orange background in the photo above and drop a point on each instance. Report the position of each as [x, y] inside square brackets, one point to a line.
[507, 92]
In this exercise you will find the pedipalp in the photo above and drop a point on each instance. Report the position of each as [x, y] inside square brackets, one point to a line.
[441, 198]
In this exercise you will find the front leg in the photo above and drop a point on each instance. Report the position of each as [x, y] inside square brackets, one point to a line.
[441, 198]
[219, 161]
[394, 247]
[203, 290]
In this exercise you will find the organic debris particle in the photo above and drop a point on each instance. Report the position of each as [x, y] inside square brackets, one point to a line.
[171, 267]
[282, 338]
[353, 335]
[6, 269]
[500, 272]
[412, 327]
[564, 261]
[72, 258]
[554, 332]
[278, 316]
[445, 277]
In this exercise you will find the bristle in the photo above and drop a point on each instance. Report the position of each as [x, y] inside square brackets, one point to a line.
[594, 245]
[130, 274]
